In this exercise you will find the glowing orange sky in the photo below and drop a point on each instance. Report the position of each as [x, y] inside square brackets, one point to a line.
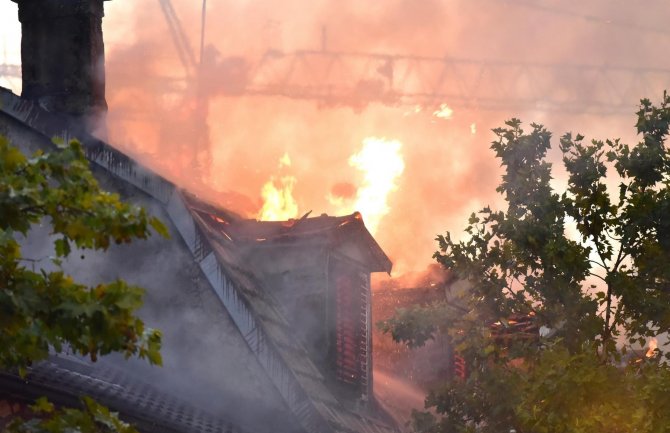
[449, 171]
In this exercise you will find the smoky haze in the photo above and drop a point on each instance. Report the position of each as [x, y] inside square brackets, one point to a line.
[449, 169]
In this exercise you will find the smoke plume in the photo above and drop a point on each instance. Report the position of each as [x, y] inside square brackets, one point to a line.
[228, 149]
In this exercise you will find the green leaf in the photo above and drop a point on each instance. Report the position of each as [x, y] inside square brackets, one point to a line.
[43, 310]
[43, 406]
[159, 227]
[62, 247]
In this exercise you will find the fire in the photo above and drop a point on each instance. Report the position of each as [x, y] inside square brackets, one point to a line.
[278, 201]
[653, 345]
[382, 163]
[473, 128]
[443, 112]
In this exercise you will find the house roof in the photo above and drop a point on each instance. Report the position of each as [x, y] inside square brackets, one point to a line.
[273, 340]
[205, 231]
[331, 230]
[65, 380]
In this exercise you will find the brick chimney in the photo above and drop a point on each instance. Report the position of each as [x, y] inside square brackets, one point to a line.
[63, 57]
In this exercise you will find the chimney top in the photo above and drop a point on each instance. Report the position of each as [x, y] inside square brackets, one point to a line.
[62, 56]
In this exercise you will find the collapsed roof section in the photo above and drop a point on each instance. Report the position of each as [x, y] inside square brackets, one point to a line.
[336, 232]
[253, 308]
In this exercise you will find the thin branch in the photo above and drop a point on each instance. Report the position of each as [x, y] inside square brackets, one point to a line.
[599, 264]
[26, 259]
[598, 250]
[616, 314]
[608, 315]
[591, 274]
[612, 237]
[620, 257]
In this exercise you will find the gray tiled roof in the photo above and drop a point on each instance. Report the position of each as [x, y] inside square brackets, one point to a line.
[64, 381]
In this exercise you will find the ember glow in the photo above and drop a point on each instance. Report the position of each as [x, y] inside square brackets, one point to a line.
[653, 345]
[382, 163]
[285, 161]
[443, 112]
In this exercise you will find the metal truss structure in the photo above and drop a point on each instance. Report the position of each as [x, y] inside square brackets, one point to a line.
[356, 79]
[333, 78]
[181, 42]
[350, 78]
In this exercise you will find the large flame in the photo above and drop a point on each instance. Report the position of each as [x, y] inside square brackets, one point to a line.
[382, 163]
[278, 201]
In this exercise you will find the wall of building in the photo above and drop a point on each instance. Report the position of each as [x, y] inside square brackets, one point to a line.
[303, 276]
[296, 277]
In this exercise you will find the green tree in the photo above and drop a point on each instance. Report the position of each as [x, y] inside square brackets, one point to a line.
[43, 312]
[596, 299]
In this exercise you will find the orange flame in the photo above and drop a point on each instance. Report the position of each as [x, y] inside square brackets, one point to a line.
[278, 201]
[382, 163]
[653, 345]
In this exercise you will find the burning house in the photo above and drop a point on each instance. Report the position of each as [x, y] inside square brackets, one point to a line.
[319, 271]
[266, 326]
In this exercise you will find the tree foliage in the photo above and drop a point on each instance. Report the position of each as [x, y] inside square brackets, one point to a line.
[588, 267]
[46, 311]
[93, 418]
